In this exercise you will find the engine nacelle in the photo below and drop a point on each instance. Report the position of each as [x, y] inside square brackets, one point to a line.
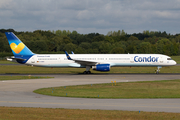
[102, 67]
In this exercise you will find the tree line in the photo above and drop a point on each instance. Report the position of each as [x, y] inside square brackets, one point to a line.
[115, 42]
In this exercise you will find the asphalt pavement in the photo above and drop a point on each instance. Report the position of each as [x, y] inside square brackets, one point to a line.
[19, 93]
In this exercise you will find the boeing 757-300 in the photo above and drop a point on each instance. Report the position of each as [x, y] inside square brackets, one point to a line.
[99, 62]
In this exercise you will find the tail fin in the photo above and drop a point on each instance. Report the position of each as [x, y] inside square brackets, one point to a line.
[17, 46]
[19, 49]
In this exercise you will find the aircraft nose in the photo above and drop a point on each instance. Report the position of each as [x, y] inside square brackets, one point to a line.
[174, 62]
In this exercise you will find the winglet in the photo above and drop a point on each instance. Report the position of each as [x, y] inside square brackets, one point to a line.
[68, 57]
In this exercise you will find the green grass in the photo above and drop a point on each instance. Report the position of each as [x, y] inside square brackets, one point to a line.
[7, 62]
[150, 89]
[21, 77]
[10, 113]
[28, 69]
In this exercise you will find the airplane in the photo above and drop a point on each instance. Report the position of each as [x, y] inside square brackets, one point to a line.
[98, 62]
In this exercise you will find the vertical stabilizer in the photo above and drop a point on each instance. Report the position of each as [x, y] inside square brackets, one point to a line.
[19, 49]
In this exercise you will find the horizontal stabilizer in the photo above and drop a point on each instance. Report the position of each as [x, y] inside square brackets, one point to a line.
[13, 58]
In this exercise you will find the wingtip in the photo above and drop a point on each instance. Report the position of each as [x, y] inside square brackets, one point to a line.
[67, 55]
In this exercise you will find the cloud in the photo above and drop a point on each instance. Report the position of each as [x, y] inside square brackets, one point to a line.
[5, 4]
[88, 16]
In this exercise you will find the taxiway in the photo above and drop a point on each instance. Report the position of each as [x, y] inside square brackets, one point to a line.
[19, 93]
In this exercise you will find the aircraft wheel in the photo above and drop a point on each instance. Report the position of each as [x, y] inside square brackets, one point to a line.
[87, 72]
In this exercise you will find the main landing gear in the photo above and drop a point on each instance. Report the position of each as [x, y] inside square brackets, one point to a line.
[87, 70]
[158, 69]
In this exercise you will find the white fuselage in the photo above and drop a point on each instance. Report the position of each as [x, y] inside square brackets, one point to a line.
[115, 60]
[100, 62]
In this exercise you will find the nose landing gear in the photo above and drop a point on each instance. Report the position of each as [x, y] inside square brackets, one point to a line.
[158, 69]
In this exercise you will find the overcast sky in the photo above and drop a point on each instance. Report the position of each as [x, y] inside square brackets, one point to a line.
[89, 16]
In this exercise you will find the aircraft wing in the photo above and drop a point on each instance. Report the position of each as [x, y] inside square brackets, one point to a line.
[82, 62]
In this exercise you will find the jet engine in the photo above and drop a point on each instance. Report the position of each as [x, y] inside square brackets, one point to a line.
[101, 67]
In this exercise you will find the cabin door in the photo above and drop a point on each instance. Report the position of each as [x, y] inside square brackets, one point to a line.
[33, 60]
[132, 60]
[160, 60]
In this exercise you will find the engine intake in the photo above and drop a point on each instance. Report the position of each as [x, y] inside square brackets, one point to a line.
[102, 67]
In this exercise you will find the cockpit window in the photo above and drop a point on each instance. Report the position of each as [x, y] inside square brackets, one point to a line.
[169, 58]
